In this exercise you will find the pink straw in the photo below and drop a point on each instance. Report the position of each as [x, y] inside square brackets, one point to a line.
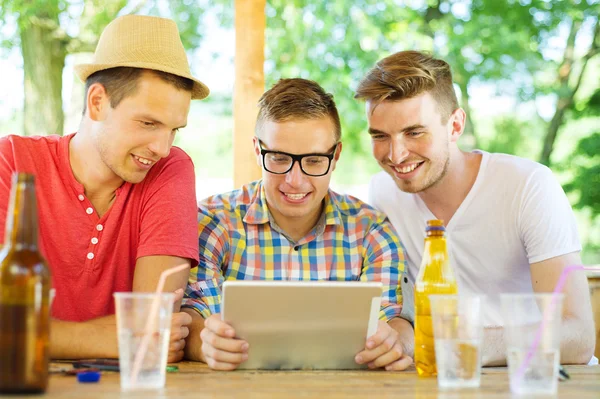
[141, 352]
[549, 311]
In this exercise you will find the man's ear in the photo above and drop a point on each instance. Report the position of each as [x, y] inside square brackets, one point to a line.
[97, 102]
[336, 157]
[257, 150]
[456, 123]
[338, 151]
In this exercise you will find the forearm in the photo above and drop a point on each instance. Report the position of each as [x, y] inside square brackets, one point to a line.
[407, 334]
[576, 344]
[80, 340]
[193, 342]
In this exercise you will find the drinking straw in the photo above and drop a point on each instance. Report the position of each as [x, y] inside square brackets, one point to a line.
[546, 316]
[153, 314]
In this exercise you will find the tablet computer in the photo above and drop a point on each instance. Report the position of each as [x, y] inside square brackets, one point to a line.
[292, 325]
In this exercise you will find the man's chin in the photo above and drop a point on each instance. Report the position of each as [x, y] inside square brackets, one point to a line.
[134, 178]
[407, 187]
[291, 211]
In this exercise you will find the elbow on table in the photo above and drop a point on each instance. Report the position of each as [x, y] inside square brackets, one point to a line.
[588, 351]
[581, 351]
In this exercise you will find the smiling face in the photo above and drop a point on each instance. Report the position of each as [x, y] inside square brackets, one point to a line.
[411, 142]
[294, 198]
[140, 130]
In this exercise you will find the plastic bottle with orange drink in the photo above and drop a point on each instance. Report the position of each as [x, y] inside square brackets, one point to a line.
[435, 277]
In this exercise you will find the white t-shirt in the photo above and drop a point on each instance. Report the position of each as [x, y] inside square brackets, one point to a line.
[515, 214]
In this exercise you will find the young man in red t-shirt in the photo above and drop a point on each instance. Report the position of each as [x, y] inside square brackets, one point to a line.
[116, 201]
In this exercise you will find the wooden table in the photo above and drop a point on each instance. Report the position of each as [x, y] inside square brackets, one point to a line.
[195, 380]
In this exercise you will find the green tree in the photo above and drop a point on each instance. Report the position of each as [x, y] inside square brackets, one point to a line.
[41, 33]
[501, 42]
[571, 71]
[586, 182]
[585, 161]
[44, 44]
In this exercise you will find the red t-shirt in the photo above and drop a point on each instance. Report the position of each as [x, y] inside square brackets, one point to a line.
[91, 257]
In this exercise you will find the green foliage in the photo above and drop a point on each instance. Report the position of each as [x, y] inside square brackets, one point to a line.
[586, 182]
[186, 14]
[589, 107]
[340, 42]
[27, 12]
[501, 42]
[509, 135]
[91, 16]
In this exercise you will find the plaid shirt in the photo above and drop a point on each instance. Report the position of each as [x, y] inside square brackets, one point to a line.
[239, 241]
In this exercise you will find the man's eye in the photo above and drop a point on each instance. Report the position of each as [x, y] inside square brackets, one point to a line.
[147, 124]
[378, 136]
[414, 134]
[276, 158]
[314, 161]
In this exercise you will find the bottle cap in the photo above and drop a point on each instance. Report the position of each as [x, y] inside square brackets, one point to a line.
[88, 376]
[435, 225]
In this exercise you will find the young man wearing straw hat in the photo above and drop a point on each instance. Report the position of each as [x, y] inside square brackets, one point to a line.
[290, 226]
[116, 201]
[510, 225]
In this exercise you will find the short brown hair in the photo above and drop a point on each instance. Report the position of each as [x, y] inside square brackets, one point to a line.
[121, 82]
[407, 74]
[297, 98]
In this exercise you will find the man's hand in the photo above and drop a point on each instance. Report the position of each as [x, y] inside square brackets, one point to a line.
[384, 349]
[179, 330]
[222, 351]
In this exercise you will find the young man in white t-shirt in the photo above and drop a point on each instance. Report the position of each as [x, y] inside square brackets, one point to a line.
[510, 226]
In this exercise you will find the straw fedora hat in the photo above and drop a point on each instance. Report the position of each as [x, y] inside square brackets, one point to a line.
[142, 42]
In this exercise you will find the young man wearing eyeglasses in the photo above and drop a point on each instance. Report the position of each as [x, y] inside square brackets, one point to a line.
[290, 226]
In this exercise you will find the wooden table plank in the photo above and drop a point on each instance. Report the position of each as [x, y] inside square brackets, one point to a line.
[195, 380]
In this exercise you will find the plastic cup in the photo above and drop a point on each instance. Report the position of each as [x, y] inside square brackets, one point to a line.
[532, 334]
[458, 336]
[132, 311]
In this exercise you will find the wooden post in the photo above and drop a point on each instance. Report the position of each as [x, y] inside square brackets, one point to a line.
[249, 85]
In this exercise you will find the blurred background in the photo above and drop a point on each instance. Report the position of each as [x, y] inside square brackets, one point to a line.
[527, 72]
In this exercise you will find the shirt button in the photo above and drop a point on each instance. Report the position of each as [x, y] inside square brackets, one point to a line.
[90, 256]
[81, 197]
[89, 211]
[95, 240]
[99, 227]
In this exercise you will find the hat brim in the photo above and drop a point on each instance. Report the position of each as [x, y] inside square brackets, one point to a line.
[199, 90]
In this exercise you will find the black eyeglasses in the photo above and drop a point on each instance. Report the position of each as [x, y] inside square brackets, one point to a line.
[280, 163]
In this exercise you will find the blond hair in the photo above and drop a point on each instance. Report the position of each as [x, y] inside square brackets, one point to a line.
[293, 99]
[407, 74]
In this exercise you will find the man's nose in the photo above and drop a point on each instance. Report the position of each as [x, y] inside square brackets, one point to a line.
[398, 151]
[295, 176]
[161, 145]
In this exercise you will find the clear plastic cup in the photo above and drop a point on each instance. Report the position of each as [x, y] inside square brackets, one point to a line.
[532, 333]
[458, 335]
[133, 311]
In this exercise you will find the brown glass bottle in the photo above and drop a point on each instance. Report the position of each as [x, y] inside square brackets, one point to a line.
[24, 296]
